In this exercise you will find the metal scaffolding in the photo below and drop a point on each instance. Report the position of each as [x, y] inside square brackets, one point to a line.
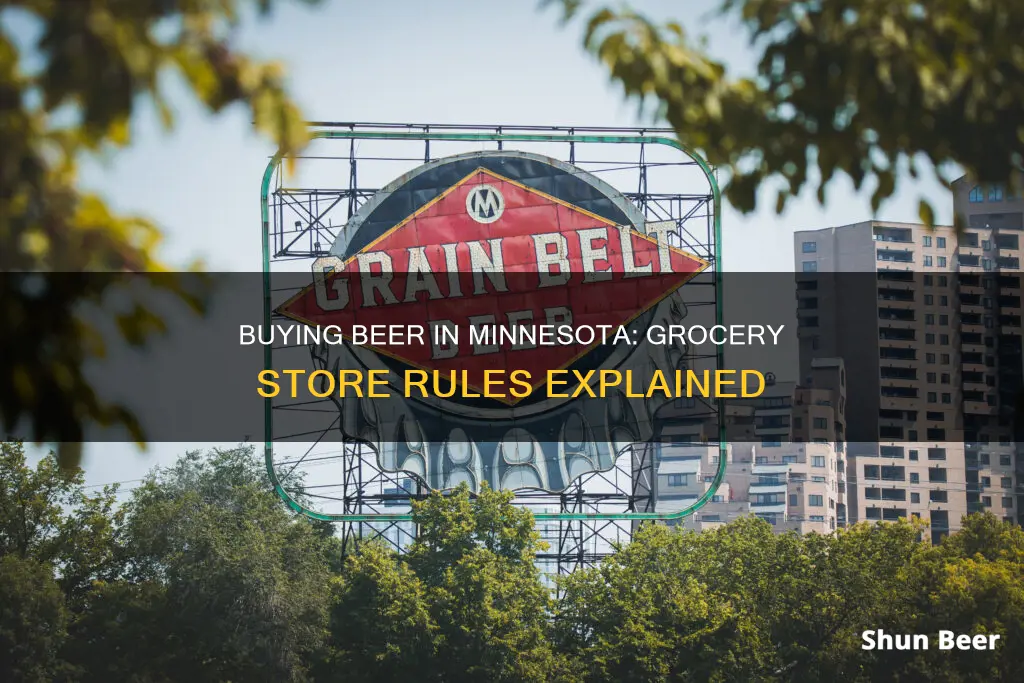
[303, 216]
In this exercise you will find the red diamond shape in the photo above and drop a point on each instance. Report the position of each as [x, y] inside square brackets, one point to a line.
[443, 228]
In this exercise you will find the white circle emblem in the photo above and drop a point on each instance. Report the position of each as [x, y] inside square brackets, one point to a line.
[484, 204]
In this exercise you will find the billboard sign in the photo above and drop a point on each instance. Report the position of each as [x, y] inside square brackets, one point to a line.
[497, 261]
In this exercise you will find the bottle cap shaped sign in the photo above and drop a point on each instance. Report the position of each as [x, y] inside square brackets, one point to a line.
[472, 248]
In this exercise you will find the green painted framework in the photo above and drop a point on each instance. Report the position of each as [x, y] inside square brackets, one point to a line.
[268, 174]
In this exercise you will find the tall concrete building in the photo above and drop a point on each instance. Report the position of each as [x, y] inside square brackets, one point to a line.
[989, 260]
[784, 463]
[933, 360]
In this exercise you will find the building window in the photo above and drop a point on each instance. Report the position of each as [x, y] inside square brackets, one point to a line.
[871, 471]
[930, 377]
[995, 193]
[944, 339]
[1006, 482]
[915, 497]
[820, 423]
[937, 474]
[1004, 460]
[947, 398]
[818, 461]
[915, 478]
[770, 443]
[938, 496]
[977, 196]
[809, 247]
[945, 378]
[891, 452]
[874, 513]
[928, 260]
[943, 319]
[678, 479]
[933, 397]
[810, 266]
[940, 242]
[815, 501]
[936, 453]
[1007, 501]
[913, 455]
[794, 499]
[788, 459]
[893, 473]
[929, 318]
[929, 358]
[945, 359]
[986, 501]
[929, 338]
[929, 299]
[942, 262]
[926, 241]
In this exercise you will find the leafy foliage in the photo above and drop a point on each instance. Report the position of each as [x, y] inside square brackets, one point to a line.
[73, 93]
[465, 604]
[201, 575]
[855, 87]
[33, 620]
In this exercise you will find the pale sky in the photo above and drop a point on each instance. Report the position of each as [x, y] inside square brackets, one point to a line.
[447, 61]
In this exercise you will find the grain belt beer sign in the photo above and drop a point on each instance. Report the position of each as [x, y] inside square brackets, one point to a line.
[490, 240]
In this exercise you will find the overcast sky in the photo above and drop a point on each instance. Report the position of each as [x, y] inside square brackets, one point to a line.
[445, 61]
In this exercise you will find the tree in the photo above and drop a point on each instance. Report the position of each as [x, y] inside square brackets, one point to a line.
[465, 604]
[73, 93]
[859, 87]
[381, 626]
[643, 615]
[54, 542]
[973, 583]
[219, 581]
[33, 621]
[45, 515]
[739, 603]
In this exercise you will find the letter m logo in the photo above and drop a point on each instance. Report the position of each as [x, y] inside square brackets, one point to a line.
[484, 204]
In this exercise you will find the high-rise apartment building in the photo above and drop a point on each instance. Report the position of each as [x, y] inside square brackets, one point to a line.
[989, 260]
[928, 324]
[785, 460]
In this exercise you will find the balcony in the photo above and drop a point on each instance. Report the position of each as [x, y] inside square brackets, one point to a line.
[894, 235]
[898, 392]
[896, 256]
[896, 334]
[768, 508]
[770, 468]
[889, 294]
[1008, 263]
[776, 488]
[896, 353]
[897, 373]
[905, 315]
[1009, 282]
